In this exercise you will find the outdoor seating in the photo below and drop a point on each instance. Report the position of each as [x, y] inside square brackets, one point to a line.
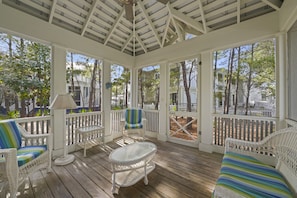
[260, 169]
[21, 154]
[134, 124]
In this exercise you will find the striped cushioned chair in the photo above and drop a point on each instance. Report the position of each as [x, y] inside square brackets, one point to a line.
[133, 124]
[17, 159]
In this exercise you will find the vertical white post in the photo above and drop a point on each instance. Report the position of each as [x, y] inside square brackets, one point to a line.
[163, 115]
[58, 86]
[134, 87]
[106, 100]
[281, 88]
[206, 102]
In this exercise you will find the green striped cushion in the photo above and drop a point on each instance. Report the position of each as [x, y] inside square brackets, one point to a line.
[133, 118]
[28, 153]
[10, 136]
[249, 177]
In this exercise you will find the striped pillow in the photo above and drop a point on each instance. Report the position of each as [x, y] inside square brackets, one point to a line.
[10, 136]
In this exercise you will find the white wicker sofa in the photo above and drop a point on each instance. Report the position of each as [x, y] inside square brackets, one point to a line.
[21, 154]
[260, 169]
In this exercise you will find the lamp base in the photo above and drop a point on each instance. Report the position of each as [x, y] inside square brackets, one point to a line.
[67, 159]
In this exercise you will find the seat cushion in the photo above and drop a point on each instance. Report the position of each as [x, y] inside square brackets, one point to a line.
[249, 177]
[133, 116]
[133, 126]
[10, 136]
[28, 153]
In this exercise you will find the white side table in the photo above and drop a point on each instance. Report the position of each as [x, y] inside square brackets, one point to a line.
[131, 163]
[91, 136]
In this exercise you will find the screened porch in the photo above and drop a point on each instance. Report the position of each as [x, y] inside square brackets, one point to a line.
[157, 35]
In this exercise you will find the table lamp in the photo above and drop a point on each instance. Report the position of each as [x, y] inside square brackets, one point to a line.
[63, 101]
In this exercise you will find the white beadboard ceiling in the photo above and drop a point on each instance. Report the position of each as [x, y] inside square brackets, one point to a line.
[155, 25]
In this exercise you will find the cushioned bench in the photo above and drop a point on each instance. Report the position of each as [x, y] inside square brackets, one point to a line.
[260, 169]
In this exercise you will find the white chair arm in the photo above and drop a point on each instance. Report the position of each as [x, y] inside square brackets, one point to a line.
[8, 150]
[239, 145]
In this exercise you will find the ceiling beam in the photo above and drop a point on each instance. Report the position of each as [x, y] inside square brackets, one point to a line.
[238, 11]
[90, 14]
[166, 30]
[148, 19]
[113, 28]
[127, 42]
[287, 14]
[187, 20]
[180, 34]
[141, 43]
[52, 12]
[274, 4]
[202, 15]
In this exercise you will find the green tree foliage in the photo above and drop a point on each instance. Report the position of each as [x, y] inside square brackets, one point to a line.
[249, 69]
[149, 85]
[25, 71]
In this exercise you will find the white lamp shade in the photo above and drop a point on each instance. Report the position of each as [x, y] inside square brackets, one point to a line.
[63, 101]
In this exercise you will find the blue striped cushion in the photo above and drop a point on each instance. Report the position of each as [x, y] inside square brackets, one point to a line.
[28, 153]
[249, 177]
[133, 119]
[10, 136]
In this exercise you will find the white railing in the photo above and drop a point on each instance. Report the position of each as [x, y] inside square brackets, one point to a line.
[76, 120]
[36, 125]
[115, 118]
[248, 128]
[152, 117]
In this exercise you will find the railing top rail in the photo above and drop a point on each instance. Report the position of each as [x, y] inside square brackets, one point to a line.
[30, 119]
[245, 117]
[71, 115]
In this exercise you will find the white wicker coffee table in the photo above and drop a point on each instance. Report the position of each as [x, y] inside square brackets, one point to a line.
[131, 163]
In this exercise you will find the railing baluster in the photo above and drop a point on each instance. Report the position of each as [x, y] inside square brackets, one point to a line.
[249, 128]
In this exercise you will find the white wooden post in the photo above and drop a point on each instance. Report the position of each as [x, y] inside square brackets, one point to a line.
[163, 115]
[281, 85]
[58, 86]
[134, 87]
[206, 102]
[106, 100]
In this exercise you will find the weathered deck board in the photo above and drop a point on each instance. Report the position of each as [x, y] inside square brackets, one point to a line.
[180, 172]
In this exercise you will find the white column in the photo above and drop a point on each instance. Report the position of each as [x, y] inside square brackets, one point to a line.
[134, 87]
[163, 111]
[281, 88]
[206, 102]
[106, 100]
[58, 86]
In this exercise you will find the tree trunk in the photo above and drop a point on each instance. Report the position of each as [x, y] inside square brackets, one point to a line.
[93, 83]
[72, 75]
[100, 87]
[214, 84]
[237, 82]
[141, 88]
[249, 82]
[229, 82]
[187, 92]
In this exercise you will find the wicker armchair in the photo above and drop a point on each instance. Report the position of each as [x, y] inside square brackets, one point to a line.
[134, 124]
[21, 154]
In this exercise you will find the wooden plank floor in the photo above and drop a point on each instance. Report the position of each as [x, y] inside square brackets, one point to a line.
[180, 172]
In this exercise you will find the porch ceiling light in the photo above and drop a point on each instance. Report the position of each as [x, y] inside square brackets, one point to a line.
[63, 101]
